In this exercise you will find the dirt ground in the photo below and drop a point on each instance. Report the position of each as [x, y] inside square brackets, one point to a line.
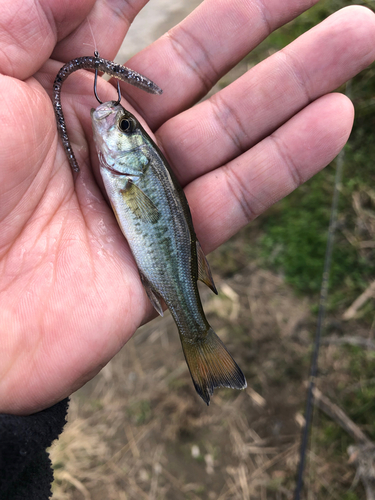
[138, 430]
[142, 432]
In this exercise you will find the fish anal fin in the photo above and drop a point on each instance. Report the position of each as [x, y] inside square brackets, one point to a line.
[153, 296]
[211, 365]
[204, 271]
[139, 203]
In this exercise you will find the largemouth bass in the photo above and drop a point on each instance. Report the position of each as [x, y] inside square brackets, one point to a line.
[153, 214]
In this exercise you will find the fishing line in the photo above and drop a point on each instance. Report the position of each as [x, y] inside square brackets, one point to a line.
[321, 315]
[92, 34]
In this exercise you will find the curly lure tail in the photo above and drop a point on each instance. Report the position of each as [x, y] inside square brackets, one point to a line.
[211, 365]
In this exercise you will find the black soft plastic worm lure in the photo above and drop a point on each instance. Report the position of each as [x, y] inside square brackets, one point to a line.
[98, 64]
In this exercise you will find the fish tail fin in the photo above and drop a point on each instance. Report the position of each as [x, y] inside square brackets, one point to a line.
[211, 365]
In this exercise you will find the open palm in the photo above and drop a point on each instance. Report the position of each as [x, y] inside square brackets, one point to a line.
[70, 295]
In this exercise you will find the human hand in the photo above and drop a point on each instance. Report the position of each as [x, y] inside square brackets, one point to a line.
[70, 294]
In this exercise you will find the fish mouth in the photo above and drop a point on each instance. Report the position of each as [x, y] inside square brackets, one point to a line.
[101, 112]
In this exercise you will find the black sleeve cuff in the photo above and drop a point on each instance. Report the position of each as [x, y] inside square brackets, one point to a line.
[25, 467]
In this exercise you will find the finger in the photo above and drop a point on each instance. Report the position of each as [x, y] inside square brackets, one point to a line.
[29, 30]
[219, 129]
[190, 58]
[104, 30]
[228, 198]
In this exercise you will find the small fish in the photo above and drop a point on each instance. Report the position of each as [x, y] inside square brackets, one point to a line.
[153, 214]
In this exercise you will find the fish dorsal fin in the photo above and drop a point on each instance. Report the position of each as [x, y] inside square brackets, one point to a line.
[204, 271]
[153, 296]
[139, 203]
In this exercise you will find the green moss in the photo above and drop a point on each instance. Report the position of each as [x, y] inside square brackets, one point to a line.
[350, 495]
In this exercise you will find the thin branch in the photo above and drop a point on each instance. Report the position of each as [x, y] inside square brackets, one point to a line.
[352, 340]
[360, 301]
[337, 414]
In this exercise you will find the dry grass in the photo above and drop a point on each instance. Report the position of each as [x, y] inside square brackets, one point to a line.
[138, 430]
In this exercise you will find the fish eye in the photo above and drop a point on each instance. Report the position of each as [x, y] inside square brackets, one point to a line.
[126, 125]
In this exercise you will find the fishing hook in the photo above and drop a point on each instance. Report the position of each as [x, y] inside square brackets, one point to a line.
[110, 68]
[96, 54]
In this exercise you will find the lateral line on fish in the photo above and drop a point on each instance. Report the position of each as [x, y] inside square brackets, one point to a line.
[110, 68]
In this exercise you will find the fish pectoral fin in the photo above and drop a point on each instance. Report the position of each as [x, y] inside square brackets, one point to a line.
[152, 295]
[139, 203]
[204, 271]
[211, 365]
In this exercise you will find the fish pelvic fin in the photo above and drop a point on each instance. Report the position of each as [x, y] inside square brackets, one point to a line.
[211, 365]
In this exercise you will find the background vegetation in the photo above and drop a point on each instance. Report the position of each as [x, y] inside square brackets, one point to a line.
[138, 430]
